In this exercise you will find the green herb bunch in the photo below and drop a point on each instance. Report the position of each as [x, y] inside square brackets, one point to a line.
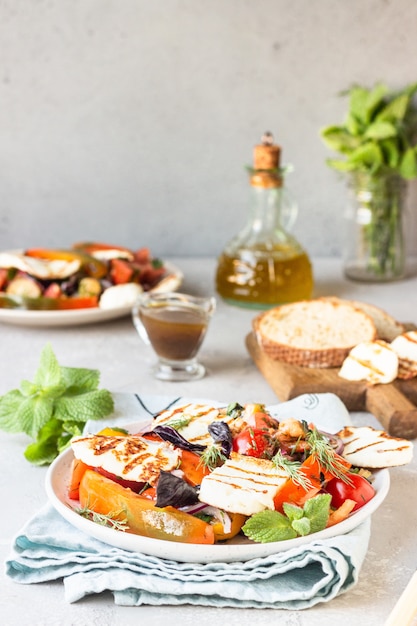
[379, 133]
[378, 143]
[54, 407]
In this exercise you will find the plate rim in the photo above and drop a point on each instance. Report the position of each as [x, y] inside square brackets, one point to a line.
[68, 317]
[195, 553]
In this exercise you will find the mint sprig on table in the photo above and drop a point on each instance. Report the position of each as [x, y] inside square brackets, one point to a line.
[54, 407]
[296, 521]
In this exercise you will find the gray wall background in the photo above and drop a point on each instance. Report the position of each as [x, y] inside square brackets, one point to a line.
[131, 121]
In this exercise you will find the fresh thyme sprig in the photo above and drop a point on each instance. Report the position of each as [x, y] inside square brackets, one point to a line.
[292, 469]
[111, 520]
[326, 456]
[212, 456]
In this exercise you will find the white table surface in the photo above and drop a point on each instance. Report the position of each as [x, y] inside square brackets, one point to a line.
[116, 350]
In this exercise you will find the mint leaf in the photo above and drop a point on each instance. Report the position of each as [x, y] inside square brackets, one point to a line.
[317, 510]
[268, 526]
[54, 407]
[91, 405]
[302, 526]
[33, 413]
[292, 511]
[28, 389]
[48, 374]
[79, 380]
[44, 449]
[9, 406]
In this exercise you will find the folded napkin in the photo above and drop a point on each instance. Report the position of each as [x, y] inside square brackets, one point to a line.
[49, 548]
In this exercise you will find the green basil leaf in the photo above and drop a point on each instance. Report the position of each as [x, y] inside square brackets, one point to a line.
[408, 165]
[394, 110]
[381, 130]
[339, 139]
[369, 156]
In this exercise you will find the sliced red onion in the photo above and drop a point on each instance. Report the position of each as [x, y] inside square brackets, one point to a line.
[213, 511]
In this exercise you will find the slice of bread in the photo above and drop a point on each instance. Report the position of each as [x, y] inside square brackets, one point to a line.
[313, 333]
[387, 327]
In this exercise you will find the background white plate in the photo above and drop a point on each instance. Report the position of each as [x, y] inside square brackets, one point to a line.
[76, 317]
[237, 549]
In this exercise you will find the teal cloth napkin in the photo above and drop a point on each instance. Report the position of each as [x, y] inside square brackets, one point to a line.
[49, 548]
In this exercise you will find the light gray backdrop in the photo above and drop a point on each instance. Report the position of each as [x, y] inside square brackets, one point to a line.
[131, 121]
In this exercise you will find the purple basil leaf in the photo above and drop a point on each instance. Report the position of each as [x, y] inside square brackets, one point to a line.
[221, 434]
[172, 490]
[167, 433]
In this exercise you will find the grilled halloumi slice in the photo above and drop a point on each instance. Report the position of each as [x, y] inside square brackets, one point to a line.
[129, 457]
[192, 421]
[373, 361]
[43, 269]
[243, 484]
[368, 447]
[405, 346]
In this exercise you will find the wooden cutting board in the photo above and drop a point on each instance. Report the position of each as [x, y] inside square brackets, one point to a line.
[394, 404]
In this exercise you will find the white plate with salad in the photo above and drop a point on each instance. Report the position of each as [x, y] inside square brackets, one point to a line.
[88, 284]
[237, 549]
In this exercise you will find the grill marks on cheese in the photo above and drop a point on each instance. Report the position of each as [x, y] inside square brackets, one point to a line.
[199, 417]
[365, 446]
[373, 361]
[243, 484]
[405, 346]
[131, 457]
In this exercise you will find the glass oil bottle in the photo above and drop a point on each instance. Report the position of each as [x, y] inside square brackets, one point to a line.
[264, 265]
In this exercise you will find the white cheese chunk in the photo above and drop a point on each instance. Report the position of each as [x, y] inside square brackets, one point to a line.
[120, 295]
[365, 446]
[131, 457]
[405, 346]
[373, 361]
[196, 419]
[243, 485]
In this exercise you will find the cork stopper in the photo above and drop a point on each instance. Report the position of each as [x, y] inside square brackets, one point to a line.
[266, 156]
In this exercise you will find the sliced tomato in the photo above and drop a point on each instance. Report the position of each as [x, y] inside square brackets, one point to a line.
[254, 442]
[143, 255]
[87, 302]
[360, 491]
[121, 271]
[295, 493]
[134, 485]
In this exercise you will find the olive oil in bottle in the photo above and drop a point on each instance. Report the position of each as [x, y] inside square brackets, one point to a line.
[264, 265]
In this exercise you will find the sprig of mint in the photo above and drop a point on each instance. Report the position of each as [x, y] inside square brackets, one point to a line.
[54, 407]
[296, 521]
